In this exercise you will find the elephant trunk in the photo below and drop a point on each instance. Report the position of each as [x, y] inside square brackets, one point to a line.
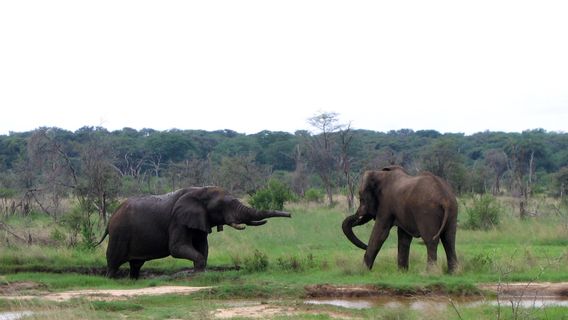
[347, 226]
[253, 217]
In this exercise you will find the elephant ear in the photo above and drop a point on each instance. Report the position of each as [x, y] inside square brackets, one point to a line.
[191, 213]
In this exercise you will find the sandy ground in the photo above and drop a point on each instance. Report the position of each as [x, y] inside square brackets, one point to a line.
[257, 311]
[13, 293]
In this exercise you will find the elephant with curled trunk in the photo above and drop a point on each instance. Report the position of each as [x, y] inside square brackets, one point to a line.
[420, 206]
[176, 224]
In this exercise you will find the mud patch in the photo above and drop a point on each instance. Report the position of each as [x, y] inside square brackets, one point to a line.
[536, 289]
[355, 291]
[528, 289]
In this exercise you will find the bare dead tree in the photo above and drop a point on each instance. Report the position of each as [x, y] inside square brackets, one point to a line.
[51, 173]
[100, 180]
[240, 174]
[190, 172]
[345, 160]
[496, 159]
[322, 157]
[300, 175]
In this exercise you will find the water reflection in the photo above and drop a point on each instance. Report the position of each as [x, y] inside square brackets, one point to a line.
[438, 303]
[14, 315]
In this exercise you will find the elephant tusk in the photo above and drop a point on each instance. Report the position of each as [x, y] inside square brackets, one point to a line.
[237, 226]
[256, 223]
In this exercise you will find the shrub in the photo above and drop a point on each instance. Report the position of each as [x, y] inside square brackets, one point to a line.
[81, 223]
[314, 195]
[272, 197]
[257, 263]
[484, 214]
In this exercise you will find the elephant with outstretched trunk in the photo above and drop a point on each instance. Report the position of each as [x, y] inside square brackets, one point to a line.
[176, 224]
[422, 206]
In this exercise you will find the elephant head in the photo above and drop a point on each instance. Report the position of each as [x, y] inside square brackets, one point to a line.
[203, 208]
[369, 194]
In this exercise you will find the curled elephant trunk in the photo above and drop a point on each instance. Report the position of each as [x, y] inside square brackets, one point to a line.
[347, 226]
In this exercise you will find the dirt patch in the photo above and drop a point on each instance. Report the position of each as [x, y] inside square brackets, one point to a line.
[267, 311]
[258, 311]
[21, 291]
[14, 288]
[528, 289]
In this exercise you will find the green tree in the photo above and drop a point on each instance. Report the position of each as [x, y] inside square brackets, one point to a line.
[443, 159]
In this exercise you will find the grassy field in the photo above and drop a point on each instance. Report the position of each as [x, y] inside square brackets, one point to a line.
[278, 260]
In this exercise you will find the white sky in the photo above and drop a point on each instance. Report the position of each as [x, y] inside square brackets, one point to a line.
[451, 66]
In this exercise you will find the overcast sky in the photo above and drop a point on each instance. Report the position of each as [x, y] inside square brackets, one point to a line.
[451, 66]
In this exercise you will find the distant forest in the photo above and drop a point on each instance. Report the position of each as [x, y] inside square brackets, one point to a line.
[40, 168]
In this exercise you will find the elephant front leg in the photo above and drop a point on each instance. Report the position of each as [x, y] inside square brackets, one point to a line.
[135, 266]
[187, 251]
[404, 240]
[184, 247]
[378, 236]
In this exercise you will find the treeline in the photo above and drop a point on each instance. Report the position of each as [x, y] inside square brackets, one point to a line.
[43, 167]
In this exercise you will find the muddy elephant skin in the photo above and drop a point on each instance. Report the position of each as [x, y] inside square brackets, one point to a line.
[176, 224]
[422, 206]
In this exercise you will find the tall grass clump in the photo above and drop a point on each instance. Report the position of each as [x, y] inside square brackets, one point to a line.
[484, 213]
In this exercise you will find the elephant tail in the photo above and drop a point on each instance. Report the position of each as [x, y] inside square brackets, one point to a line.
[103, 238]
[444, 221]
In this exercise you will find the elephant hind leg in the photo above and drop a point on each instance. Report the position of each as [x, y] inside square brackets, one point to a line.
[404, 240]
[115, 256]
[135, 266]
[432, 251]
[449, 243]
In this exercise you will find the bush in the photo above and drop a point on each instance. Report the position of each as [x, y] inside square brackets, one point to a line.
[257, 263]
[272, 197]
[484, 214]
[80, 222]
[314, 195]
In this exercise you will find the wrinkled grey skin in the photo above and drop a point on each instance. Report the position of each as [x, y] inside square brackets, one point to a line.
[422, 206]
[176, 224]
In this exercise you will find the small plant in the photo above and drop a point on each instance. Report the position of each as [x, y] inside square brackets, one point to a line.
[481, 261]
[291, 263]
[257, 263]
[484, 214]
[272, 197]
[57, 236]
[236, 260]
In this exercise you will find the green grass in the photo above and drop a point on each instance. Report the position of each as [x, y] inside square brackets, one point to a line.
[308, 249]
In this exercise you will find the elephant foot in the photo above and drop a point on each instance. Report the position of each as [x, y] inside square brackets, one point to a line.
[452, 268]
[199, 267]
[112, 273]
[368, 262]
